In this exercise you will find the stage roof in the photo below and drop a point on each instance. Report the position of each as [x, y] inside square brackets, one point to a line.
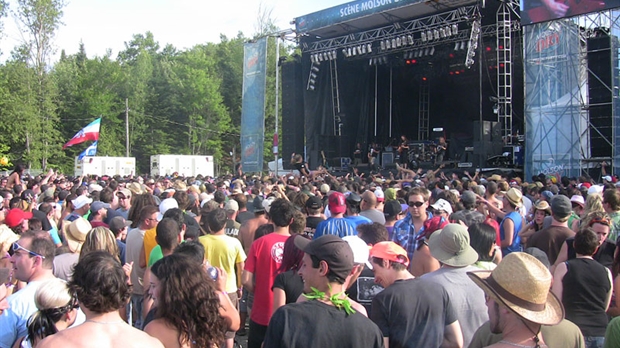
[362, 15]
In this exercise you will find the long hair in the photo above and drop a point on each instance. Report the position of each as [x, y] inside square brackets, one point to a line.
[137, 203]
[482, 238]
[291, 256]
[100, 238]
[188, 301]
[53, 300]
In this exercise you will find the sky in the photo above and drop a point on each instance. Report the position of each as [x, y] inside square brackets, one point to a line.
[108, 24]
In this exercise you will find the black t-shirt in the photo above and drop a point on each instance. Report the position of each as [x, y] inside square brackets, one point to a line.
[413, 313]
[301, 167]
[365, 289]
[604, 255]
[311, 223]
[313, 324]
[291, 283]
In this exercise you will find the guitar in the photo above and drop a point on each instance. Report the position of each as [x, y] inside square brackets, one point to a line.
[575, 7]
[324, 164]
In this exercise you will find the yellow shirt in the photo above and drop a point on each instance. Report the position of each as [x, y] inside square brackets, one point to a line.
[149, 243]
[225, 252]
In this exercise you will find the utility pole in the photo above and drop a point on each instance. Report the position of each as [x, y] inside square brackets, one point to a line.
[126, 127]
[275, 135]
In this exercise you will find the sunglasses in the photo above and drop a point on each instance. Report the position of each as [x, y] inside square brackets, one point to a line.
[17, 247]
[415, 204]
[598, 220]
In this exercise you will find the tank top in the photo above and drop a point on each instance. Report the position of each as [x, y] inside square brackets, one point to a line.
[516, 240]
[585, 288]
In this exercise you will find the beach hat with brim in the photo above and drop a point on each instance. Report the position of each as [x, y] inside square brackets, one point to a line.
[450, 246]
[76, 233]
[521, 283]
[514, 196]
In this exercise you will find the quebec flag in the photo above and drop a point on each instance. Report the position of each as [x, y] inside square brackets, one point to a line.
[90, 151]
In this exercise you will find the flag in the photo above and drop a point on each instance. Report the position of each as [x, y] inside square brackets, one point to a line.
[90, 151]
[90, 132]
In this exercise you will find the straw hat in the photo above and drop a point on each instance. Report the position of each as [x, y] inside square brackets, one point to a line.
[76, 233]
[543, 205]
[521, 283]
[514, 196]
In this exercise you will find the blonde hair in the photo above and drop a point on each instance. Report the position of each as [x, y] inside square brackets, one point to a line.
[53, 300]
[594, 203]
[100, 238]
[52, 293]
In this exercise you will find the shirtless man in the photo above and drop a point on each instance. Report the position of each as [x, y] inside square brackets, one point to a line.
[246, 232]
[99, 273]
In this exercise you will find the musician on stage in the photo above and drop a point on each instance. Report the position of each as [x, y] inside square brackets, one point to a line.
[357, 155]
[297, 161]
[373, 153]
[403, 151]
[440, 150]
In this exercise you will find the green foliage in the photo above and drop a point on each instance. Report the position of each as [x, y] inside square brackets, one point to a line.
[180, 102]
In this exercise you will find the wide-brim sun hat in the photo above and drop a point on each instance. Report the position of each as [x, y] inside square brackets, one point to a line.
[450, 246]
[514, 196]
[521, 283]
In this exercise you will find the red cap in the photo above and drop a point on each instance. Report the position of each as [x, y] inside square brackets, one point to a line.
[337, 203]
[435, 224]
[15, 217]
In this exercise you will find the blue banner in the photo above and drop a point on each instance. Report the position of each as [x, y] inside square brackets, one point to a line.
[90, 151]
[253, 105]
[347, 12]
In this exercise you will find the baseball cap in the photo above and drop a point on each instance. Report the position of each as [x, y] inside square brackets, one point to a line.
[117, 223]
[561, 206]
[442, 204]
[380, 195]
[257, 204]
[337, 203]
[314, 202]
[392, 208]
[15, 216]
[332, 249]
[165, 205]
[324, 188]
[231, 205]
[98, 205]
[361, 251]
[607, 178]
[578, 199]
[125, 192]
[390, 251]
[81, 201]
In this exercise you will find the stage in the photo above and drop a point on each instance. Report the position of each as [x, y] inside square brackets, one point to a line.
[416, 70]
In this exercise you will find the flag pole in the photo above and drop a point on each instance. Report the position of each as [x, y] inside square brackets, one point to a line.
[126, 127]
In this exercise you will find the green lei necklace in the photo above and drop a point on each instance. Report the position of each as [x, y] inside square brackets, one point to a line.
[340, 303]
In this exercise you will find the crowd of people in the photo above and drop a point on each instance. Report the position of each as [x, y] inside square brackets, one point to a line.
[416, 259]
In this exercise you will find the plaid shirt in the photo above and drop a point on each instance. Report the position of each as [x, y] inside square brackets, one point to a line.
[406, 235]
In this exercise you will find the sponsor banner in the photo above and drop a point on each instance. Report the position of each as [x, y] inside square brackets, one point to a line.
[536, 11]
[347, 12]
[253, 105]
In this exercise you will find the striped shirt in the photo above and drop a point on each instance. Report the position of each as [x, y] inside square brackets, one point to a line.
[340, 227]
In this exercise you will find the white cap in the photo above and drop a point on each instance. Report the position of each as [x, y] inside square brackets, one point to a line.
[165, 205]
[232, 205]
[607, 178]
[442, 204]
[81, 201]
[578, 199]
[595, 189]
[361, 251]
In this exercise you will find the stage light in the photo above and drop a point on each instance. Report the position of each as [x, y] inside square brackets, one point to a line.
[455, 29]
[488, 49]
[393, 43]
[448, 31]
[325, 56]
[312, 76]
[432, 51]
[451, 72]
[312, 58]
[362, 49]
[344, 52]
[370, 61]
[436, 34]
[501, 47]
[457, 72]
[429, 35]
[456, 46]
[423, 36]
[311, 87]
[354, 50]
[349, 52]
[369, 48]
[426, 52]
[462, 45]
[403, 39]
[424, 78]
[388, 45]
[382, 43]
[413, 61]
[442, 32]
[407, 62]
[315, 68]
[451, 55]
[410, 40]
[398, 42]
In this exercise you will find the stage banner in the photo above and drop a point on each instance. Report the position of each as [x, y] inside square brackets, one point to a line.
[253, 105]
[536, 11]
[347, 12]
[555, 84]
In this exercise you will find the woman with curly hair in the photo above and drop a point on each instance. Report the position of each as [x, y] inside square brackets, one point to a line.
[188, 305]
[57, 310]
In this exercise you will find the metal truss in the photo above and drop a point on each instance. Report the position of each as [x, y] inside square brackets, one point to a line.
[412, 27]
[424, 111]
[504, 70]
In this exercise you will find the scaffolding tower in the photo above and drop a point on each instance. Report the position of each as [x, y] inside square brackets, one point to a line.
[504, 68]
[424, 111]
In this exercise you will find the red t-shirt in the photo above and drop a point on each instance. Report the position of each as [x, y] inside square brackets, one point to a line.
[263, 261]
